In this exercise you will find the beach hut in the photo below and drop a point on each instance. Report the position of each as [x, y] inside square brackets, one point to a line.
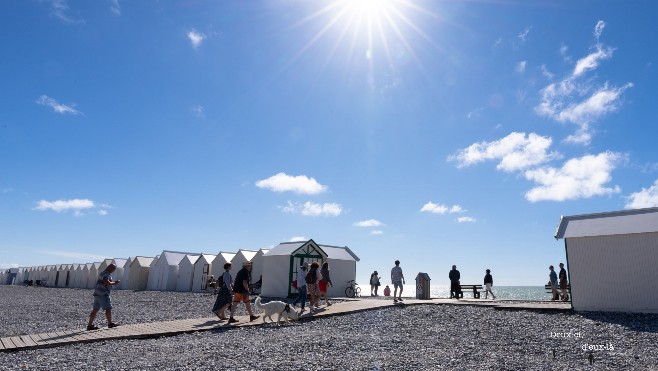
[257, 265]
[94, 271]
[139, 273]
[84, 280]
[163, 275]
[117, 275]
[281, 263]
[240, 257]
[186, 272]
[126, 273]
[51, 275]
[11, 276]
[217, 266]
[73, 273]
[104, 265]
[64, 275]
[202, 270]
[611, 260]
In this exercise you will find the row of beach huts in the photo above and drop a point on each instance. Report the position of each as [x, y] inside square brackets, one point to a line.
[187, 271]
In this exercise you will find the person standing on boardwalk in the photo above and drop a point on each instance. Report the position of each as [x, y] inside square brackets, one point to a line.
[224, 295]
[455, 289]
[312, 279]
[563, 282]
[488, 282]
[102, 297]
[374, 283]
[397, 278]
[325, 282]
[241, 292]
[301, 286]
[553, 283]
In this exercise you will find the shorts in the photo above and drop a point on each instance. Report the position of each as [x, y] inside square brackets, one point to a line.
[563, 284]
[313, 289]
[323, 286]
[102, 301]
[237, 298]
[397, 285]
[487, 286]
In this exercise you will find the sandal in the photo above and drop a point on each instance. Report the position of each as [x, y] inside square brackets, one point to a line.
[92, 327]
[112, 325]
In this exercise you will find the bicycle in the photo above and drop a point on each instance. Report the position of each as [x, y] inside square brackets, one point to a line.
[352, 291]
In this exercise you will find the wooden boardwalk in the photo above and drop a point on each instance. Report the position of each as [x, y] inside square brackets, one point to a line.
[169, 328]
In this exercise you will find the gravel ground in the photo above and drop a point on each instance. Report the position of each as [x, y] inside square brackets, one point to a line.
[423, 337]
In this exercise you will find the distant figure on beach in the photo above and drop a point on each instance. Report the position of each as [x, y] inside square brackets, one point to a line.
[563, 282]
[387, 291]
[312, 279]
[211, 283]
[397, 278]
[102, 297]
[488, 282]
[225, 294]
[324, 282]
[241, 291]
[455, 289]
[553, 283]
[301, 286]
[374, 283]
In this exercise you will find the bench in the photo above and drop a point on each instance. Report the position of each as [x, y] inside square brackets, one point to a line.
[474, 289]
[549, 290]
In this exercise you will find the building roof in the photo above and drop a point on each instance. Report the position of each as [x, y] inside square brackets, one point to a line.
[332, 252]
[610, 223]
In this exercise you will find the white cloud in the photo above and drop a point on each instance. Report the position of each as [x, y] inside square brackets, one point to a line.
[578, 178]
[300, 184]
[198, 111]
[598, 29]
[547, 74]
[196, 38]
[368, 223]
[312, 209]
[60, 9]
[515, 152]
[523, 36]
[431, 207]
[647, 197]
[45, 100]
[466, 219]
[297, 239]
[520, 66]
[591, 61]
[115, 8]
[475, 113]
[79, 256]
[376, 232]
[75, 205]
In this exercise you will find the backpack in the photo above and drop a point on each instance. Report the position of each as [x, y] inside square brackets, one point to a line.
[312, 276]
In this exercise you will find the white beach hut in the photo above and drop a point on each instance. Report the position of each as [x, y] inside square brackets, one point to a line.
[73, 274]
[64, 275]
[52, 275]
[163, 275]
[118, 274]
[611, 260]
[217, 267]
[202, 270]
[104, 264]
[126, 273]
[139, 273]
[86, 271]
[257, 265]
[186, 272]
[240, 257]
[281, 263]
[94, 271]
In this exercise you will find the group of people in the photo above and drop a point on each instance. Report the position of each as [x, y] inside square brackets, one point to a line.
[553, 283]
[232, 293]
[313, 281]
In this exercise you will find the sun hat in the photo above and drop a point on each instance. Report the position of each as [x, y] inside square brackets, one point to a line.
[305, 265]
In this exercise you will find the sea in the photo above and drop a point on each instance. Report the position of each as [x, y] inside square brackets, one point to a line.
[501, 292]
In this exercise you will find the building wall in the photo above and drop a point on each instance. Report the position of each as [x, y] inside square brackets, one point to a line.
[614, 273]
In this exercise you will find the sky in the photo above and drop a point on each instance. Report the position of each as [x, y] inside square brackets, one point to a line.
[433, 132]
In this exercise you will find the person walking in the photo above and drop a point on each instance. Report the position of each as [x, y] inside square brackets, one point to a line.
[312, 279]
[301, 286]
[224, 294]
[374, 283]
[563, 282]
[397, 278]
[102, 298]
[241, 292]
[553, 283]
[488, 283]
[325, 282]
[455, 289]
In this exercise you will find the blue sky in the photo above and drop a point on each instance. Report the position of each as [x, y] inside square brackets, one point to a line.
[434, 132]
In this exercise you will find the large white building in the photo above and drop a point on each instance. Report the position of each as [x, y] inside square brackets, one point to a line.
[612, 259]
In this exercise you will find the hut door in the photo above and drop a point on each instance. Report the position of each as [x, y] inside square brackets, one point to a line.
[206, 274]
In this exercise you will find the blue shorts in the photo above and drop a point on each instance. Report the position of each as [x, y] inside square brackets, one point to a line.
[102, 301]
[397, 285]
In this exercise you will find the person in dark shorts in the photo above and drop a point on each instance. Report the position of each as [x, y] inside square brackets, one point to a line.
[455, 289]
[562, 276]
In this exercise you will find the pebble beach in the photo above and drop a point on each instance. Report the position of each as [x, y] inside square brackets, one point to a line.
[419, 337]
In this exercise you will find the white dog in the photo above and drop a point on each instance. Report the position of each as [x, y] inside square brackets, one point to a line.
[285, 311]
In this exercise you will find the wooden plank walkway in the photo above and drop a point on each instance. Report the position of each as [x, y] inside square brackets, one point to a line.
[169, 328]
